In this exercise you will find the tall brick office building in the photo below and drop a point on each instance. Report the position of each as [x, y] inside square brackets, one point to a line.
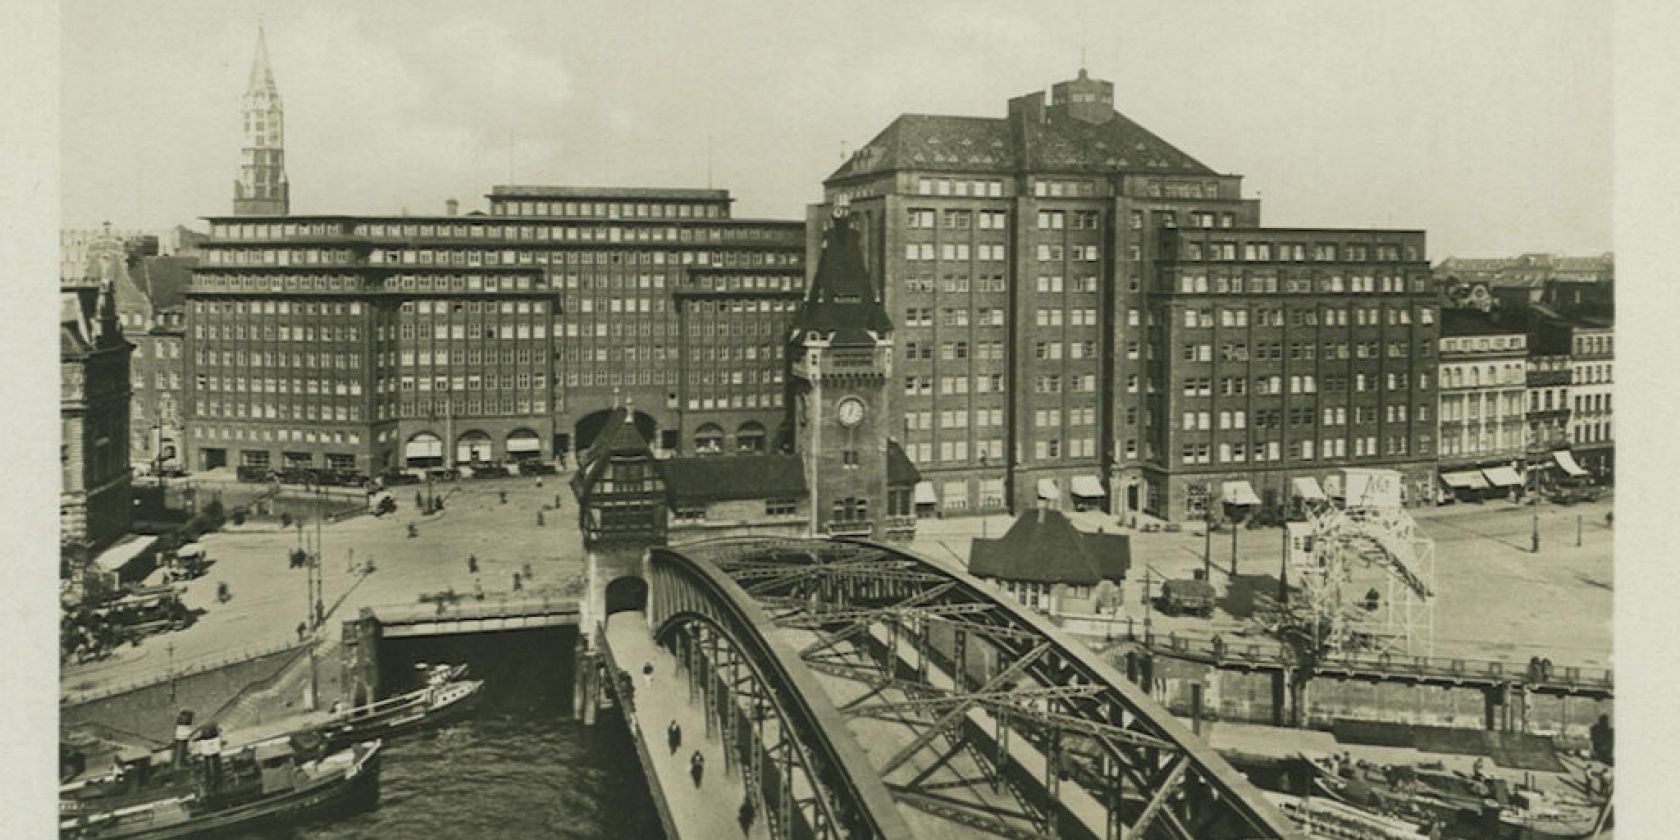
[365, 343]
[1084, 311]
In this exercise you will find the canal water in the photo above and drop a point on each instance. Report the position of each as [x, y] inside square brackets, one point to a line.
[517, 767]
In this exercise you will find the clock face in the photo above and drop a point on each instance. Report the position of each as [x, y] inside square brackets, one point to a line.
[850, 412]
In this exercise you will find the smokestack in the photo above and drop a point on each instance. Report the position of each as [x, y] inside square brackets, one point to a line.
[450, 207]
[210, 747]
[183, 734]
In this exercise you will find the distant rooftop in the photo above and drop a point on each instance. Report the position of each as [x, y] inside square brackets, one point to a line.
[660, 193]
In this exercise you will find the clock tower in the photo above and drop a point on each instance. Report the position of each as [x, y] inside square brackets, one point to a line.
[840, 354]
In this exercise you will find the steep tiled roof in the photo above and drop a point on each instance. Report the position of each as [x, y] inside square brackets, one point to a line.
[1043, 546]
[985, 144]
[163, 279]
[900, 471]
[618, 436]
[842, 299]
[716, 479]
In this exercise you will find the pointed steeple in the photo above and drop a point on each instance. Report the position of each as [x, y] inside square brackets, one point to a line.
[262, 75]
[842, 297]
[263, 188]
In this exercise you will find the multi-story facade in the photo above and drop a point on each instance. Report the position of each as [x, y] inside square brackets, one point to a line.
[1550, 374]
[366, 343]
[1484, 398]
[1286, 354]
[1592, 392]
[262, 188]
[1020, 259]
[94, 506]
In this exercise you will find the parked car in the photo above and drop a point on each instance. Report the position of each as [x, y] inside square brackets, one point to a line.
[489, 471]
[393, 478]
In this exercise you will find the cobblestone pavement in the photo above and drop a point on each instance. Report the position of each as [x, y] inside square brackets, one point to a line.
[1496, 599]
[269, 597]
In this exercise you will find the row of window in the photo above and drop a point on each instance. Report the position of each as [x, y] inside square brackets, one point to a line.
[923, 218]
[1202, 386]
[1238, 452]
[502, 206]
[281, 434]
[1196, 282]
[956, 451]
[1271, 316]
[922, 251]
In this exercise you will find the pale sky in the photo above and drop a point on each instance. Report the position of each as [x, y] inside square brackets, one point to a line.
[1487, 123]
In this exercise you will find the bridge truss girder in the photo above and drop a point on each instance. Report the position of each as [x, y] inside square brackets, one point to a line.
[974, 681]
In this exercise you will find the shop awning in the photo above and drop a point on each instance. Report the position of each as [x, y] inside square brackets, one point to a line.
[524, 444]
[1086, 486]
[1048, 490]
[120, 555]
[1307, 487]
[925, 494]
[1464, 480]
[1240, 493]
[1567, 461]
[190, 550]
[1503, 477]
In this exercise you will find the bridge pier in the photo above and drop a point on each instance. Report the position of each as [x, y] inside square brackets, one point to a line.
[586, 682]
[359, 661]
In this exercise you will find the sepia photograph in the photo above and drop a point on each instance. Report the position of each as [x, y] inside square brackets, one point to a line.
[866, 420]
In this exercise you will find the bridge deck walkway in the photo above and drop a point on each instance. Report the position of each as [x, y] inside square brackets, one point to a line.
[710, 810]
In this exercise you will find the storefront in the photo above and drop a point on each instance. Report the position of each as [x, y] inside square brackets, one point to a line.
[1503, 480]
[1087, 492]
[1464, 486]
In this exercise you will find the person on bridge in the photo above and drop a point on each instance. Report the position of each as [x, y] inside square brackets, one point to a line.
[696, 767]
[673, 736]
[747, 814]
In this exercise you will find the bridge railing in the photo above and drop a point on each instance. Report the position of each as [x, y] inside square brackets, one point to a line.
[468, 606]
[1272, 653]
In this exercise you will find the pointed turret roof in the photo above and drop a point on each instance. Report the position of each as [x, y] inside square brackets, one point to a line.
[262, 75]
[1045, 547]
[843, 300]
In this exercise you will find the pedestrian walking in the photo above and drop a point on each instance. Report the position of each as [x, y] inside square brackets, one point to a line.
[747, 813]
[516, 584]
[300, 631]
[472, 563]
[696, 767]
[647, 674]
[529, 575]
[673, 736]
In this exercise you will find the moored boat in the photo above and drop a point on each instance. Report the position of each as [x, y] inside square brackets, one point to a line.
[285, 779]
[444, 698]
[1326, 818]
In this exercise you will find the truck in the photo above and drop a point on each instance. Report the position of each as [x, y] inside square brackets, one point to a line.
[1187, 597]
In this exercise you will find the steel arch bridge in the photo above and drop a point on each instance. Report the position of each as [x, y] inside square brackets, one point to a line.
[864, 691]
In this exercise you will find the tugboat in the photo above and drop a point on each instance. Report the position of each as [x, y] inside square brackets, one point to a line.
[286, 778]
[445, 697]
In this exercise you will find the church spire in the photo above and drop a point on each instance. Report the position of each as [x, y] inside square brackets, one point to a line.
[263, 189]
[262, 75]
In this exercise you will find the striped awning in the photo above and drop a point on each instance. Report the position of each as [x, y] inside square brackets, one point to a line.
[1464, 480]
[1307, 488]
[1567, 461]
[1240, 493]
[1502, 477]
